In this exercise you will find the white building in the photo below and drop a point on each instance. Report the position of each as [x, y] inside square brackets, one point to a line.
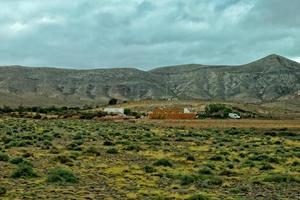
[117, 111]
[187, 110]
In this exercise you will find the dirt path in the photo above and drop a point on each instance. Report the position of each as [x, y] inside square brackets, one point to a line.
[220, 123]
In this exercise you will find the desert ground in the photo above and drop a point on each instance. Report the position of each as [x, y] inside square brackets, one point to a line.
[149, 159]
[228, 123]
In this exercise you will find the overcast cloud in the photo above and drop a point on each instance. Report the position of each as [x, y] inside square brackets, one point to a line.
[146, 33]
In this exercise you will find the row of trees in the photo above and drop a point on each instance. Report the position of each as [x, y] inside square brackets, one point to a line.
[216, 111]
[38, 109]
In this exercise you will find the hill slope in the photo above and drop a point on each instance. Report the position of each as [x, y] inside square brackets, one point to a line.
[269, 79]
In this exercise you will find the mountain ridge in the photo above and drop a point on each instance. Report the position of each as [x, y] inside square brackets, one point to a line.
[268, 79]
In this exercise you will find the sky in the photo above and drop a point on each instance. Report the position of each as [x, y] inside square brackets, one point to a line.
[145, 34]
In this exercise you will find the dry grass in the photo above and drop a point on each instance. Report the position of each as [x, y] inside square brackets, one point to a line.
[227, 123]
[126, 160]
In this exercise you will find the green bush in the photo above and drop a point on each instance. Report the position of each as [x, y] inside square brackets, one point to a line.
[2, 191]
[63, 159]
[61, 176]
[132, 147]
[92, 151]
[149, 169]
[216, 158]
[163, 162]
[190, 157]
[187, 179]
[205, 170]
[76, 145]
[4, 157]
[112, 151]
[227, 172]
[209, 181]
[108, 143]
[198, 197]
[280, 178]
[23, 171]
[266, 166]
[20, 160]
[127, 111]
[217, 110]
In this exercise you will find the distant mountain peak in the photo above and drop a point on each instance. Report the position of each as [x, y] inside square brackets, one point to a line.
[274, 57]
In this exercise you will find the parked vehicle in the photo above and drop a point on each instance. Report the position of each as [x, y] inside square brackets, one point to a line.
[234, 116]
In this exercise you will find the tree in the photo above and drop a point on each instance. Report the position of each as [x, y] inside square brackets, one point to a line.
[113, 101]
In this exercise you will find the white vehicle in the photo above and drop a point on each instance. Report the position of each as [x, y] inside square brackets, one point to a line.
[234, 116]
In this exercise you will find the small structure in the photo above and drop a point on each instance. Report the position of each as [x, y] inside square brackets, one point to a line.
[172, 113]
[116, 111]
[187, 110]
[234, 116]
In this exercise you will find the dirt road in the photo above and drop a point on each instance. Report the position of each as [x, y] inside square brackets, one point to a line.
[228, 123]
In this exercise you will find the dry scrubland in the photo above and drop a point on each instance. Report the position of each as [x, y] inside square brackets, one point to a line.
[88, 159]
[228, 123]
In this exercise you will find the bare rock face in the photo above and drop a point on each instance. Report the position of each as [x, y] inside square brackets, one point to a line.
[268, 79]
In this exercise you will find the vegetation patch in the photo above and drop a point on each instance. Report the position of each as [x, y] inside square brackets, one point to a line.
[106, 159]
[2, 191]
[61, 176]
[24, 171]
[163, 162]
[4, 157]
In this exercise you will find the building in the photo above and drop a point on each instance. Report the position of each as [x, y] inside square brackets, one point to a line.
[116, 111]
[172, 113]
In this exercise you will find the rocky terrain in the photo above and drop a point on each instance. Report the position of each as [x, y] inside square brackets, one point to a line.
[273, 78]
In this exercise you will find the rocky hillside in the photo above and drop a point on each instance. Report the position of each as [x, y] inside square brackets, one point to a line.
[269, 79]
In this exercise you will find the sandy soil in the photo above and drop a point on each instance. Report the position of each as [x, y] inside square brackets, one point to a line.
[228, 123]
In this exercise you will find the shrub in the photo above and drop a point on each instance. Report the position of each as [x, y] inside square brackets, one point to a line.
[5, 139]
[23, 171]
[205, 170]
[208, 181]
[75, 146]
[266, 166]
[149, 169]
[190, 158]
[217, 110]
[127, 111]
[61, 176]
[259, 158]
[92, 151]
[230, 166]
[187, 179]
[112, 151]
[27, 155]
[63, 159]
[2, 191]
[197, 197]
[279, 178]
[19, 160]
[216, 158]
[108, 143]
[4, 157]
[286, 133]
[163, 162]
[227, 172]
[132, 147]
[113, 101]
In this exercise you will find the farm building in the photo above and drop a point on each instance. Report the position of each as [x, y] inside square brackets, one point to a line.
[117, 111]
[172, 113]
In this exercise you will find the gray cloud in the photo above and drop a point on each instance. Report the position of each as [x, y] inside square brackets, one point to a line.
[144, 33]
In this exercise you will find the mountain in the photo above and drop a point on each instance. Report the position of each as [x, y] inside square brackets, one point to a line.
[269, 79]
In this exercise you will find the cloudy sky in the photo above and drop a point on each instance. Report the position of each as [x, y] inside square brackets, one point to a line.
[146, 33]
